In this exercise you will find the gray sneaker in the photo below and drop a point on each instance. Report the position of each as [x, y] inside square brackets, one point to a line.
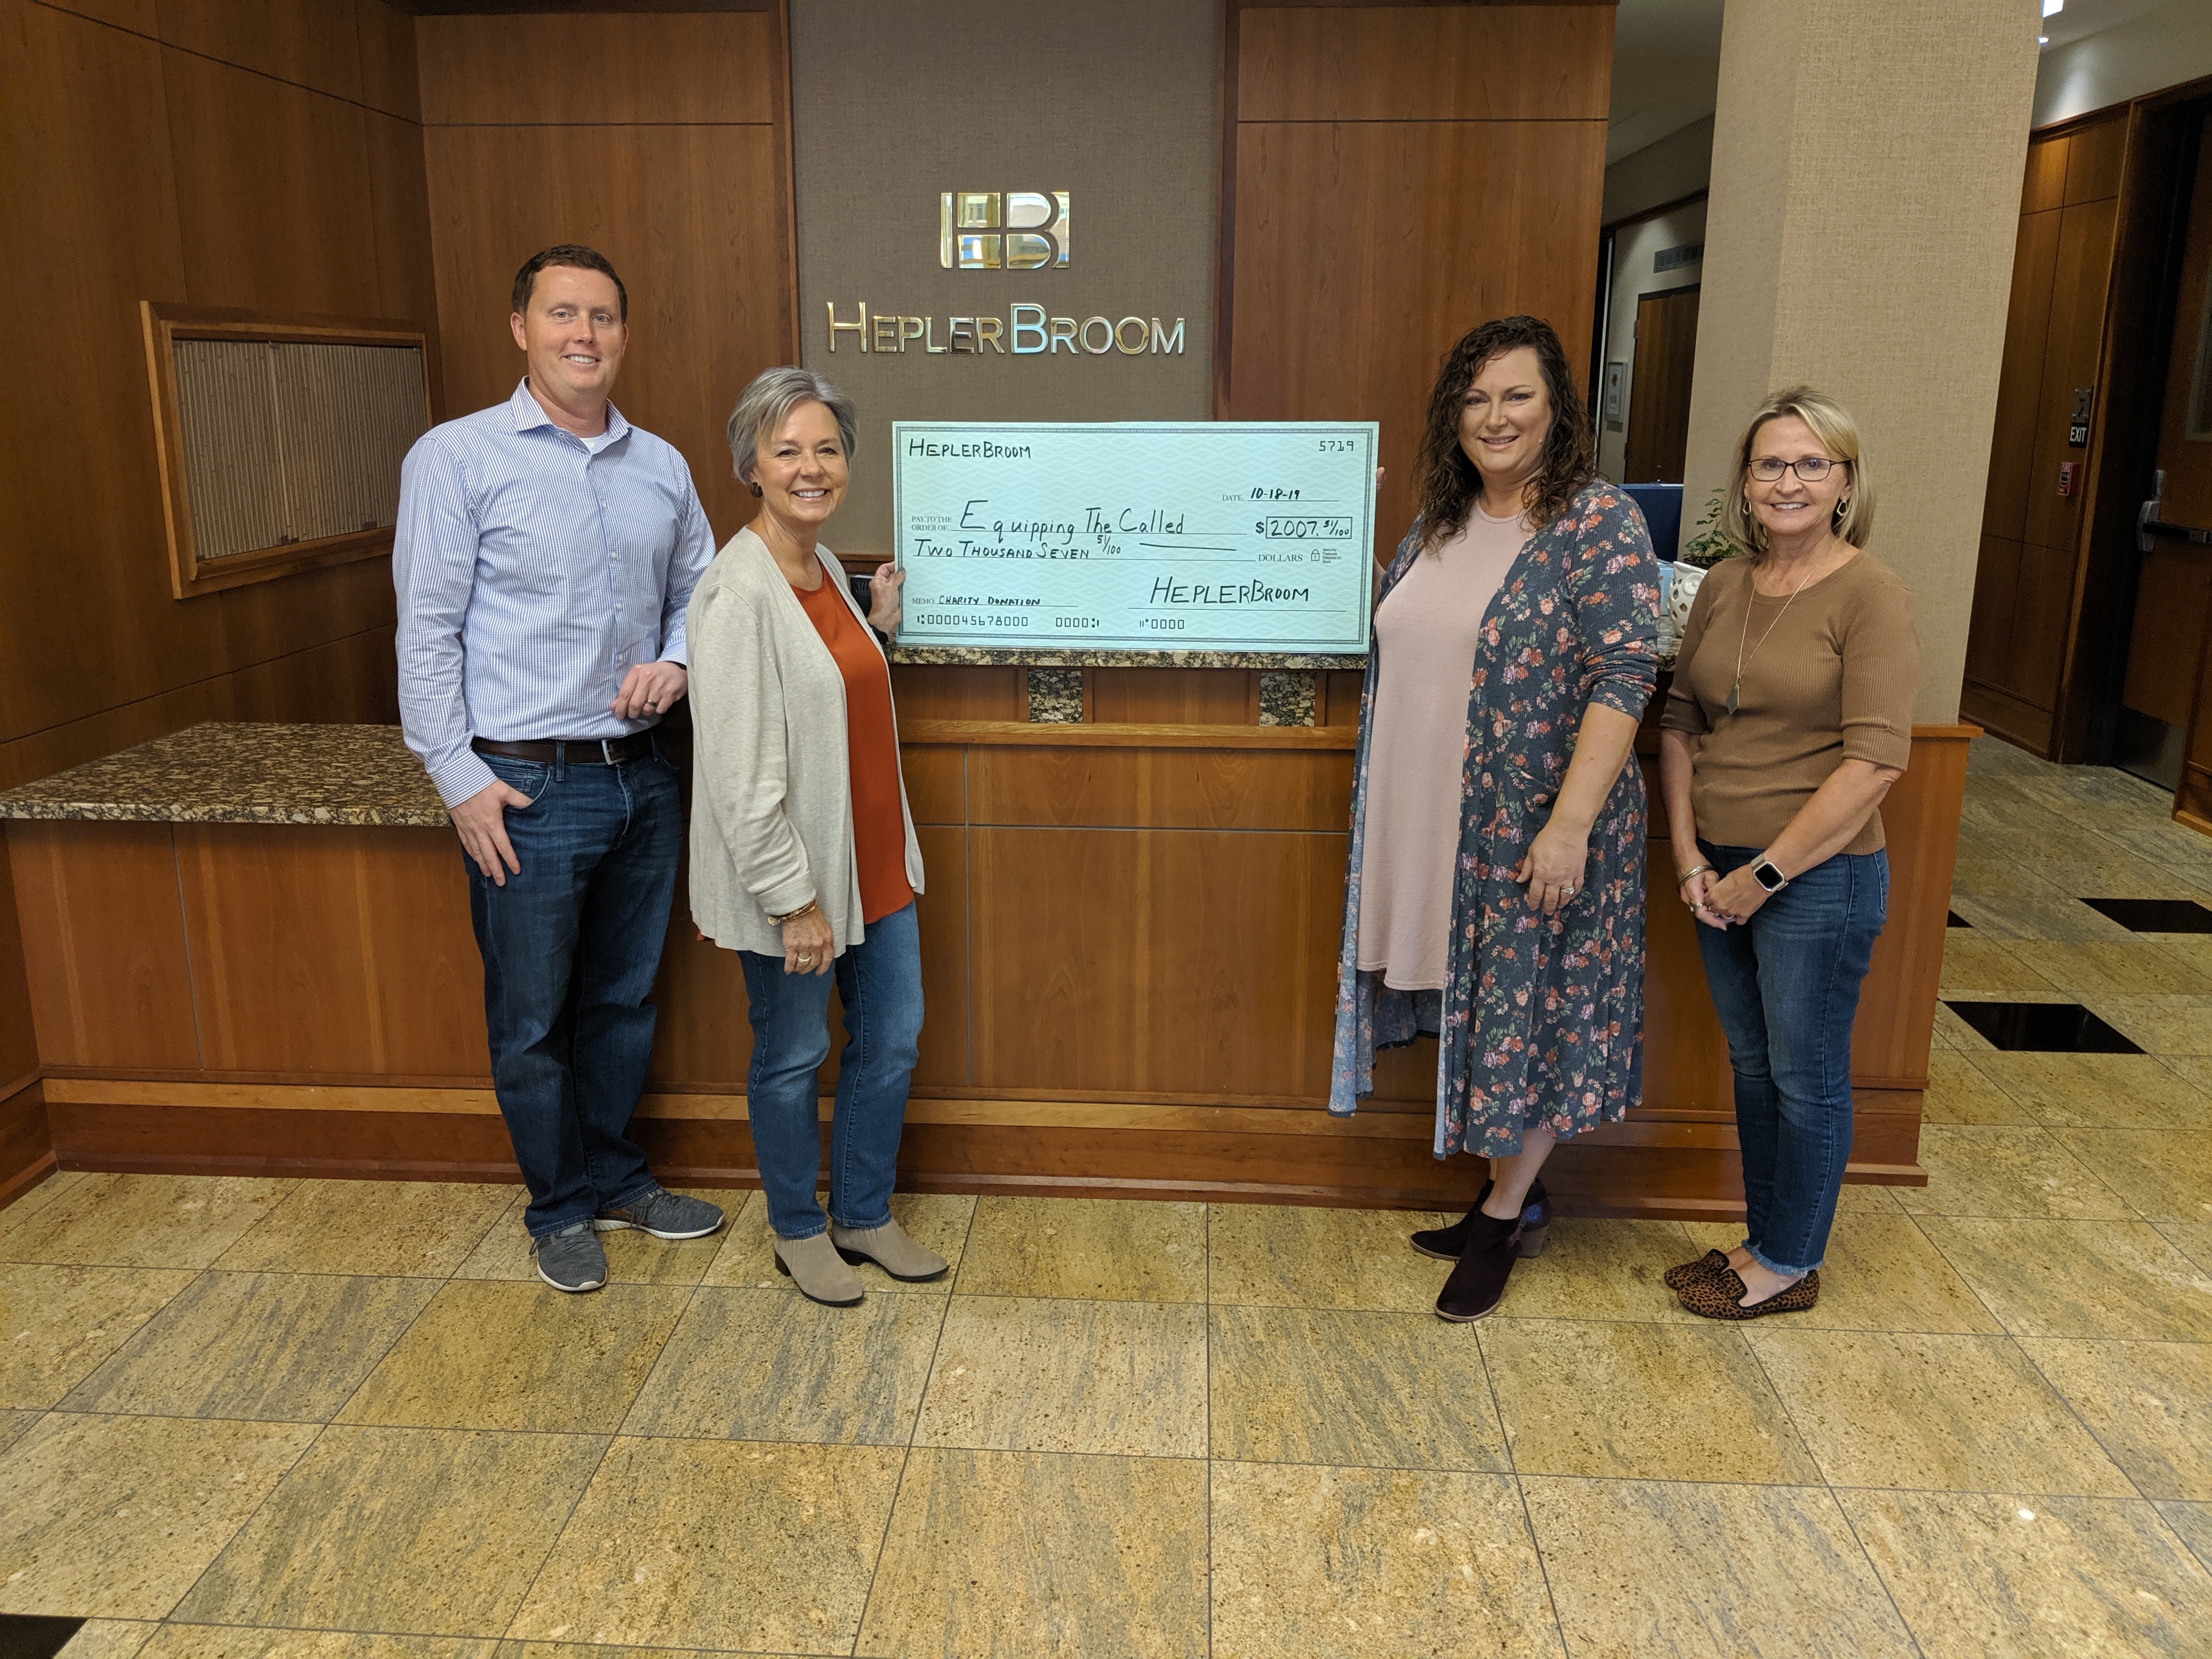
[662, 1214]
[570, 1260]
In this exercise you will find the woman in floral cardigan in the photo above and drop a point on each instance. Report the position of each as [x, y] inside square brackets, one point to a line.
[1495, 890]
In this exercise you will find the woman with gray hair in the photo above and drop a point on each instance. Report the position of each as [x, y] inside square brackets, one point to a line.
[803, 852]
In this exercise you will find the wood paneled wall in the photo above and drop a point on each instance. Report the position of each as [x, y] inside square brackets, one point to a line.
[1393, 175]
[2027, 582]
[669, 153]
[257, 153]
[25, 1140]
[261, 153]
[18, 1043]
[271, 154]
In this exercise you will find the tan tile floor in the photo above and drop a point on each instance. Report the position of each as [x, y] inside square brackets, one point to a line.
[241, 1419]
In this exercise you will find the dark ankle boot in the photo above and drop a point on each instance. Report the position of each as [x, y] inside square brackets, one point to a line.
[1479, 1281]
[1447, 1244]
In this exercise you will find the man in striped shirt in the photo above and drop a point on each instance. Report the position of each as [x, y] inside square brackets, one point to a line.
[545, 552]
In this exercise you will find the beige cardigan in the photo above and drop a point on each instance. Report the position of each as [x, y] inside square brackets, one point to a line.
[772, 797]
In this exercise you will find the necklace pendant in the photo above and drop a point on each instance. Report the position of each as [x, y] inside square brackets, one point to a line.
[1733, 692]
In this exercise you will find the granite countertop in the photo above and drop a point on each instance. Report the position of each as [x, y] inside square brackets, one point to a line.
[221, 773]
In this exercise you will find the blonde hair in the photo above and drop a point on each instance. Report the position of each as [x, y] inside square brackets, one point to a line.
[1832, 423]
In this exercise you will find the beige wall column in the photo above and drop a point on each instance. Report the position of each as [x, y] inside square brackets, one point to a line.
[1867, 161]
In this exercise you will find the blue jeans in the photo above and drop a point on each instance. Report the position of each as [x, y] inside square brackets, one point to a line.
[1786, 986]
[570, 946]
[879, 983]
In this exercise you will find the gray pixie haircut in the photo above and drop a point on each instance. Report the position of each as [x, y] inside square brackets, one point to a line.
[766, 403]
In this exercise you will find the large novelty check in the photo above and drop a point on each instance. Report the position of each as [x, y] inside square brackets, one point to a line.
[1140, 536]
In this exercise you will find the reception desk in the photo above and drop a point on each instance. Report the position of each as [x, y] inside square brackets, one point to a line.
[248, 950]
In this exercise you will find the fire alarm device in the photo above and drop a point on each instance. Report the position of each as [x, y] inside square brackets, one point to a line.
[2069, 474]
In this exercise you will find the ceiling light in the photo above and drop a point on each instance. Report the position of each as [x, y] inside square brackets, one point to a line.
[2042, 39]
[2052, 7]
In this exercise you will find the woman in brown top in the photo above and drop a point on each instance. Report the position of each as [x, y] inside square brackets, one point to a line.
[1789, 717]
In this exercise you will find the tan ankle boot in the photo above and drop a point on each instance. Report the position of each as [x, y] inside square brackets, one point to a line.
[813, 1265]
[889, 1249]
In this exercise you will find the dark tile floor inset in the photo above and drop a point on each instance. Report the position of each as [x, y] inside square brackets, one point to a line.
[2166, 915]
[1952, 918]
[2064, 1027]
[34, 1636]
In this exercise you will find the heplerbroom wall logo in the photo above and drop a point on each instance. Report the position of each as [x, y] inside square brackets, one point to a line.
[1024, 230]
[1002, 229]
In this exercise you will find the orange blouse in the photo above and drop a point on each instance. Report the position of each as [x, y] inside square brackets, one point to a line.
[872, 744]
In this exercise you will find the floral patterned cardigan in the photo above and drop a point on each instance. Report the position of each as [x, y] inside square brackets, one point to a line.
[1540, 1020]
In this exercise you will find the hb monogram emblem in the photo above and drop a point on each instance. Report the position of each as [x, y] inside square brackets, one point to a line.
[996, 229]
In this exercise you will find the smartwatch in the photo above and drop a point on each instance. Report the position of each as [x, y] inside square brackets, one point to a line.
[1768, 877]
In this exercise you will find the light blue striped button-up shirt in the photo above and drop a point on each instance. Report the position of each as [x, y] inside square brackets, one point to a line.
[534, 569]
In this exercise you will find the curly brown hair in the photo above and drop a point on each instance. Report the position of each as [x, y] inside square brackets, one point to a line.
[1446, 483]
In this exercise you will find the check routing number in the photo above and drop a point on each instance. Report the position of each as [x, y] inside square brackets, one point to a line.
[1168, 536]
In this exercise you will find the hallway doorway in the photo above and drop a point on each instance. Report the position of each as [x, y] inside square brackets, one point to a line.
[1644, 352]
[2092, 599]
[2160, 729]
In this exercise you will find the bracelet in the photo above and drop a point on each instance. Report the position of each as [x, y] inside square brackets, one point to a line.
[1683, 880]
[794, 915]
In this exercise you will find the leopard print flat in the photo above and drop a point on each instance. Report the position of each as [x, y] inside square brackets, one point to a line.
[1675, 1276]
[1720, 1295]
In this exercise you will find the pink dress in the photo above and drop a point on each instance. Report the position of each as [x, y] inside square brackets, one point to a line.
[1425, 641]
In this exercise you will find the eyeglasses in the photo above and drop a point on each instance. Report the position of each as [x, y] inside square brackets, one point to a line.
[1811, 469]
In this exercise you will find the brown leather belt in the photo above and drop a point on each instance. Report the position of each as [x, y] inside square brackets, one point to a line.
[579, 751]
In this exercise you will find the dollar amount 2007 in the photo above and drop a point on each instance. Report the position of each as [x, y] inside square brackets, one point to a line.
[1289, 529]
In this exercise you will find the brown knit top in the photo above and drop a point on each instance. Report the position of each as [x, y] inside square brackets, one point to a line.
[1835, 681]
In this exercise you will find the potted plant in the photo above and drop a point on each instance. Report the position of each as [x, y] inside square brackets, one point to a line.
[1711, 545]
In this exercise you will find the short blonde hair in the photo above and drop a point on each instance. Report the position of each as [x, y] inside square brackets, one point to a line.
[1832, 423]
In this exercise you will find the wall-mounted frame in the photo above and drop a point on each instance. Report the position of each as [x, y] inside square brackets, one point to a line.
[279, 436]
